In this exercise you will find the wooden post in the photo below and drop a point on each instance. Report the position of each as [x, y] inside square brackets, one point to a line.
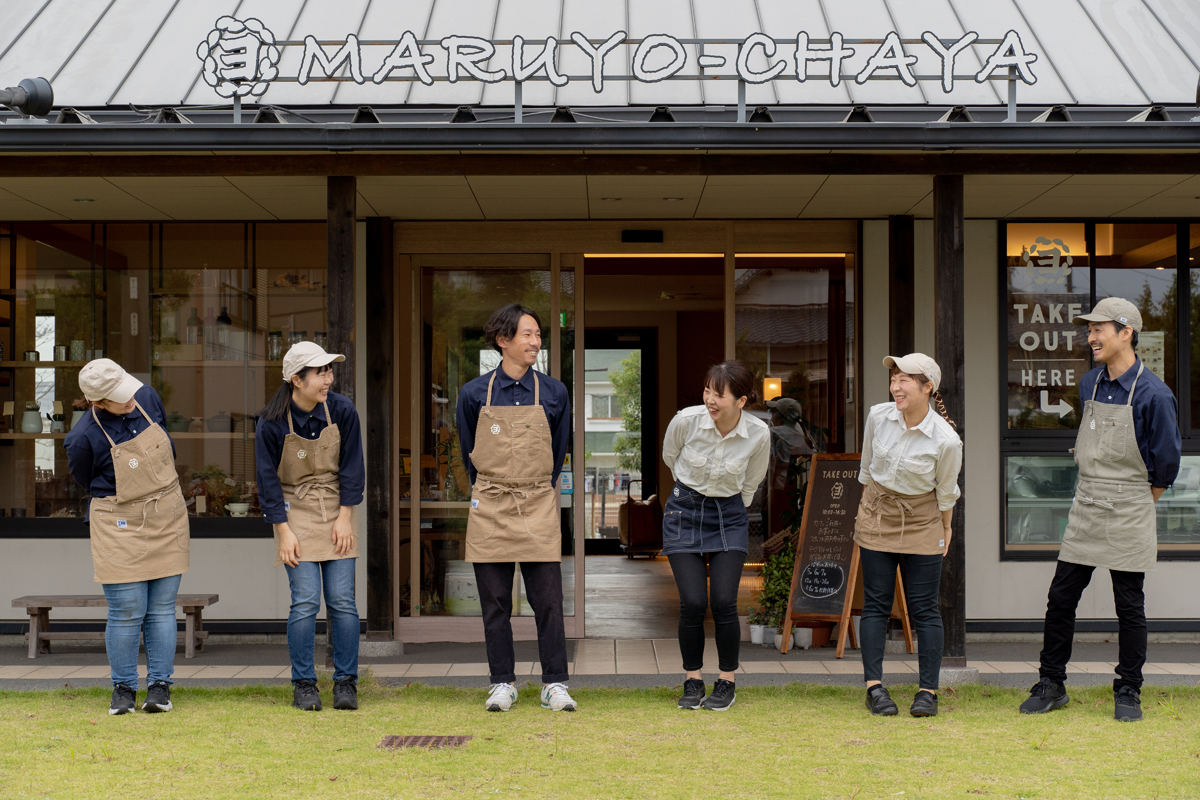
[901, 291]
[342, 193]
[950, 321]
[381, 444]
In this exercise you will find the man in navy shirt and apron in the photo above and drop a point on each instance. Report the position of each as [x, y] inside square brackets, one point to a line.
[1128, 453]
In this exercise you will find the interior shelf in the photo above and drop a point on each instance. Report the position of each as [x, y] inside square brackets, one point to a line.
[33, 435]
[40, 364]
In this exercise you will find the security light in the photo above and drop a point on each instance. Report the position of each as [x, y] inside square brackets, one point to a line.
[32, 97]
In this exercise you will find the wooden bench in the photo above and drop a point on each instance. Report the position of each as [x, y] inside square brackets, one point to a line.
[38, 607]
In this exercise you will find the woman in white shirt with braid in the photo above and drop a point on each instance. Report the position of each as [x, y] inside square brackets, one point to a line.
[910, 463]
[718, 456]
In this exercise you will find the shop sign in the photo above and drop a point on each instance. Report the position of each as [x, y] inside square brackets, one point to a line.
[241, 58]
[1047, 353]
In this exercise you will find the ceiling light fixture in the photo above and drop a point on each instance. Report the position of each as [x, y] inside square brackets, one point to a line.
[610, 199]
[84, 200]
[672, 199]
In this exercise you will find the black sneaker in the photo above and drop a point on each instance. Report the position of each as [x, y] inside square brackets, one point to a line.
[306, 697]
[158, 698]
[880, 703]
[722, 696]
[1128, 704]
[1046, 695]
[924, 704]
[693, 693]
[345, 695]
[123, 700]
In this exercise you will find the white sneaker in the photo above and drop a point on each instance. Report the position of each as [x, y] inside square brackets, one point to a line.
[556, 698]
[502, 697]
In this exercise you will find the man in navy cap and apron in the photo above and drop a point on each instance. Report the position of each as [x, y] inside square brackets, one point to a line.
[1128, 452]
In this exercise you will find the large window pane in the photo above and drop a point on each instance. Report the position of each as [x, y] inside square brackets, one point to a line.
[1194, 288]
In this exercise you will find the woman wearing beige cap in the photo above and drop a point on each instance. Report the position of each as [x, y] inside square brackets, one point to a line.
[121, 454]
[311, 472]
[910, 464]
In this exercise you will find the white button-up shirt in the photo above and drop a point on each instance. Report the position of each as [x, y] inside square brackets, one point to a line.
[714, 465]
[911, 460]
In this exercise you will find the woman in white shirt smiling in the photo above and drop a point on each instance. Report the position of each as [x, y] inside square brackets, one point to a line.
[718, 456]
[910, 464]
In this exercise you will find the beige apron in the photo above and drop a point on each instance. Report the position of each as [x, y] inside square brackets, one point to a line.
[141, 533]
[1112, 523]
[899, 523]
[514, 512]
[308, 475]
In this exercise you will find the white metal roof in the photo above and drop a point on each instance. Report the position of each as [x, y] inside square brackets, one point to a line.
[1090, 52]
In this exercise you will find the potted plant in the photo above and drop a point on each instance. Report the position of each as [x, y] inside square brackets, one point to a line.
[757, 626]
[216, 487]
[237, 504]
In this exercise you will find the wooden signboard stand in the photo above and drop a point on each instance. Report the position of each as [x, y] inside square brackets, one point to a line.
[826, 575]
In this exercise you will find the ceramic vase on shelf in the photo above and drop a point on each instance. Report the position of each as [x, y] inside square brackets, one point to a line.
[31, 420]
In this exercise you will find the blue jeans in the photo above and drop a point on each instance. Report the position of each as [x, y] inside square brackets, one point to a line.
[136, 609]
[306, 581]
[922, 577]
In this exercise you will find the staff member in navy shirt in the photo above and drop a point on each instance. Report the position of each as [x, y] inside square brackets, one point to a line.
[513, 426]
[309, 457]
[138, 524]
[1128, 452]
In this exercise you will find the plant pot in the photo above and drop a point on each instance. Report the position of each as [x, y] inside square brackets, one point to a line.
[778, 641]
[756, 634]
[31, 422]
[803, 637]
[238, 509]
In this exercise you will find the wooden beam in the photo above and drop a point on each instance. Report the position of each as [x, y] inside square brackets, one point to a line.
[951, 354]
[341, 194]
[381, 444]
[650, 163]
[901, 285]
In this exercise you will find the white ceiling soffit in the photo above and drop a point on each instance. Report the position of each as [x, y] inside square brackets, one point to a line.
[1103, 52]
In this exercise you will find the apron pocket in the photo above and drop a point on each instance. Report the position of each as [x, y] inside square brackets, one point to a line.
[179, 521]
[1131, 526]
[481, 519]
[162, 462]
[299, 519]
[1113, 436]
[541, 514]
[679, 526]
[116, 537]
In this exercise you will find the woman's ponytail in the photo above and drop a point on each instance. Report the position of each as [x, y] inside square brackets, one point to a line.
[941, 408]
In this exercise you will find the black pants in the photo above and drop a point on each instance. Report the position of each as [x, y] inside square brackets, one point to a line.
[543, 587]
[922, 578]
[694, 574]
[1065, 590]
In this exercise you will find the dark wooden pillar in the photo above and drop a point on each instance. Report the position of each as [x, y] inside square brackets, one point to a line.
[380, 352]
[341, 192]
[951, 326]
[901, 291]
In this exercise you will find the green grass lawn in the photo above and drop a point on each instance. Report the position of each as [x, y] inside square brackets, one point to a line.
[798, 741]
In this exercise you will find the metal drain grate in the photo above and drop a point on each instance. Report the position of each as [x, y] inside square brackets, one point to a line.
[397, 742]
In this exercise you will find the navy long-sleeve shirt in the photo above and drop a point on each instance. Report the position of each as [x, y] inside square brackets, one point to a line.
[509, 392]
[268, 449]
[1155, 417]
[89, 454]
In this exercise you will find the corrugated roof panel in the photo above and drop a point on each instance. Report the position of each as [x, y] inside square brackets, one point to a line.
[48, 42]
[664, 16]
[1088, 65]
[869, 19]
[117, 42]
[279, 16]
[455, 18]
[1182, 20]
[328, 22]
[169, 66]
[595, 21]
[913, 19]
[533, 20]
[789, 17]
[1160, 67]
[14, 17]
[993, 20]
[386, 21]
[735, 19]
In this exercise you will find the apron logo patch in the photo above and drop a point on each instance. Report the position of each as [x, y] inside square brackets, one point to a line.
[302, 454]
[495, 429]
[677, 491]
[1093, 424]
[122, 523]
[474, 504]
[133, 463]
[287, 506]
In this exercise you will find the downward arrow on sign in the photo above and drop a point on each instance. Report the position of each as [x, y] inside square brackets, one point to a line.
[1062, 407]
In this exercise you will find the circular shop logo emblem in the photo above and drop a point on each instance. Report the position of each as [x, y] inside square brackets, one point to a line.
[133, 463]
[495, 429]
[240, 57]
[302, 454]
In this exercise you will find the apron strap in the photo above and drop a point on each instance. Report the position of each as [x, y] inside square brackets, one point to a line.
[289, 417]
[101, 427]
[537, 389]
[1141, 366]
[146, 416]
[1096, 385]
[328, 418]
[491, 380]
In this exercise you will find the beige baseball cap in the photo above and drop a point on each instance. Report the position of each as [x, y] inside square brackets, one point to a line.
[306, 354]
[1113, 309]
[105, 379]
[917, 364]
